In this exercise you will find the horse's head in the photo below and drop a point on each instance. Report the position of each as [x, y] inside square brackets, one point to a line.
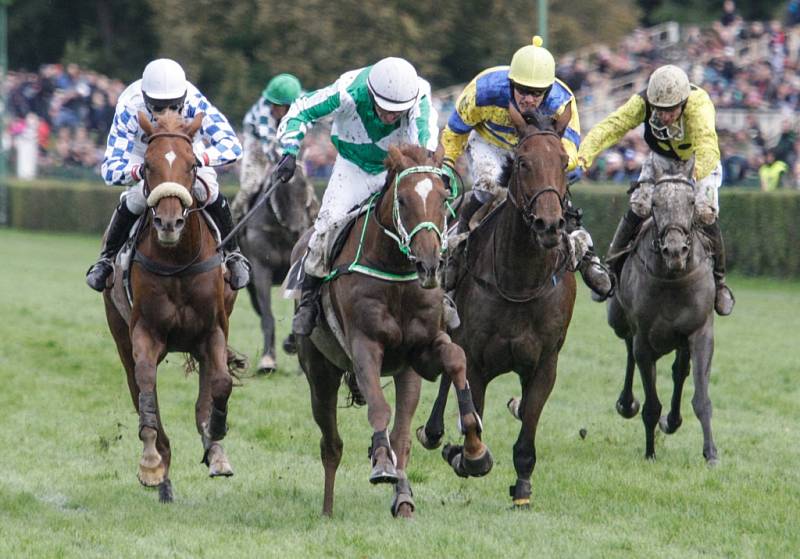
[418, 197]
[538, 182]
[673, 212]
[169, 172]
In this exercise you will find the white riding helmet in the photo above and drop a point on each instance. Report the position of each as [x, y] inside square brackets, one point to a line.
[393, 84]
[668, 87]
[164, 79]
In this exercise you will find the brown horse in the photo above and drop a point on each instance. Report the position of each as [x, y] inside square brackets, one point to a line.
[180, 302]
[516, 295]
[390, 328]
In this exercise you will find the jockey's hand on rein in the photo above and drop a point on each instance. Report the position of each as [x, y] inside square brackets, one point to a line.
[286, 167]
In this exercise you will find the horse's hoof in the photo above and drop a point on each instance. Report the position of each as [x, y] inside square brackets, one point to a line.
[513, 407]
[383, 472]
[667, 426]
[712, 462]
[290, 345]
[267, 365]
[429, 441]
[165, 492]
[454, 454]
[218, 465]
[152, 476]
[402, 506]
[478, 467]
[628, 411]
[521, 504]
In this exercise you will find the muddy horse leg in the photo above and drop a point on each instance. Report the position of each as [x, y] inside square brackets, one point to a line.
[536, 387]
[627, 404]
[701, 346]
[430, 435]
[211, 407]
[323, 380]
[407, 388]
[651, 411]
[367, 362]
[262, 274]
[680, 370]
[153, 468]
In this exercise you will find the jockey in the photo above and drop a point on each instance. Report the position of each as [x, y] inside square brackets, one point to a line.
[372, 108]
[481, 125]
[260, 137]
[679, 123]
[164, 87]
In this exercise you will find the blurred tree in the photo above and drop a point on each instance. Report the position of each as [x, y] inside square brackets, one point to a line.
[111, 36]
[702, 11]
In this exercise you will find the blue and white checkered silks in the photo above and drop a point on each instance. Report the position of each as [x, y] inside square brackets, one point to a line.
[215, 141]
[259, 122]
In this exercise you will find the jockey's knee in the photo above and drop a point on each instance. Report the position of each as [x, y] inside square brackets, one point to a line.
[482, 195]
[705, 214]
[134, 201]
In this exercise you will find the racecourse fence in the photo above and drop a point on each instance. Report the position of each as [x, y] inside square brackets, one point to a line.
[761, 230]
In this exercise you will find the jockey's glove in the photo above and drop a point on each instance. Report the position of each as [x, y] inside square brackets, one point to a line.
[286, 167]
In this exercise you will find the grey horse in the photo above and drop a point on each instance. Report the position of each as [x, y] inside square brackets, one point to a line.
[267, 241]
[665, 302]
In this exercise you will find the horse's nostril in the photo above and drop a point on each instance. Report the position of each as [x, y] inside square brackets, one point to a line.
[561, 224]
[179, 223]
[157, 222]
[538, 224]
[684, 250]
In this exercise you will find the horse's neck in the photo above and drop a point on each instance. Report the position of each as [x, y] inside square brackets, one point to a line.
[520, 261]
[379, 248]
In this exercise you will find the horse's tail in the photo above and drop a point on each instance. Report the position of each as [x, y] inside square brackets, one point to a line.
[355, 398]
[237, 362]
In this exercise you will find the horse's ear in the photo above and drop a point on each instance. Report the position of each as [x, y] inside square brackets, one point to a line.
[560, 124]
[194, 126]
[145, 124]
[517, 119]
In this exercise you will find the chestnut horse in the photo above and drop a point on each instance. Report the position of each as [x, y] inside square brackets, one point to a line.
[180, 302]
[516, 295]
[389, 306]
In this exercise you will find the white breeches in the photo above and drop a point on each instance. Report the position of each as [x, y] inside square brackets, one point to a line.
[487, 162]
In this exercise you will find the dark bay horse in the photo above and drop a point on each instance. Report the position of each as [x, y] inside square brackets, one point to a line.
[517, 295]
[180, 302]
[267, 242]
[665, 302]
[390, 328]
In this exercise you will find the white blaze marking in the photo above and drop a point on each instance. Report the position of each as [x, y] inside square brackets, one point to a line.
[424, 188]
[170, 157]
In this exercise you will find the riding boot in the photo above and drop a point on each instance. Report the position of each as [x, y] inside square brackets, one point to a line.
[596, 276]
[118, 230]
[235, 261]
[622, 238]
[724, 299]
[305, 316]
[472, 206]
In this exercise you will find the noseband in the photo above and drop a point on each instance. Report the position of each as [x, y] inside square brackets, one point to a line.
[658, 241]
[527, 206]
[145, 169]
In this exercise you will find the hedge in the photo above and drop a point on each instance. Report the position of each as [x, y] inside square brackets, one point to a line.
[761, 230]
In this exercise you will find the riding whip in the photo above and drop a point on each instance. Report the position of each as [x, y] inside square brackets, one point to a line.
[273, 184]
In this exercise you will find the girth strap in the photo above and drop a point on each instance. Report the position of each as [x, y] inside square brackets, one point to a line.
[186, 270]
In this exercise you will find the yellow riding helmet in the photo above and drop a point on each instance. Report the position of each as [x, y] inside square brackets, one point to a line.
[533, 66]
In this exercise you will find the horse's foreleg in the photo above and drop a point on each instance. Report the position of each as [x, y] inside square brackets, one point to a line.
[536, 388]
[651, 411]
[701, 346]
[153, 469]
[407, 389]
[627, 405]
[680, 370]
[430, 435]
[367, 361]
[323, 381]
[211, 408]
[474, 458]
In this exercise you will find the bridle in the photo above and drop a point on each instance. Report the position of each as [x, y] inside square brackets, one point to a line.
[527, 206]
[195, 177]
[658, 240]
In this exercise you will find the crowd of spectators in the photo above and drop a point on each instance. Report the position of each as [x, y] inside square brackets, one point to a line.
[749, 66]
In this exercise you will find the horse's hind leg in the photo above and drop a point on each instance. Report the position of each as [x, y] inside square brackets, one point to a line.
[701, 346]
[430, 435]
[211, 408]
[323, 380]
[407, 389]
[536, 388]
[627, 404]
[262, 276]
[680, 370]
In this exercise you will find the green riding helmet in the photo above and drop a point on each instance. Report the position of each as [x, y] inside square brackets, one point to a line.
[283, 89]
